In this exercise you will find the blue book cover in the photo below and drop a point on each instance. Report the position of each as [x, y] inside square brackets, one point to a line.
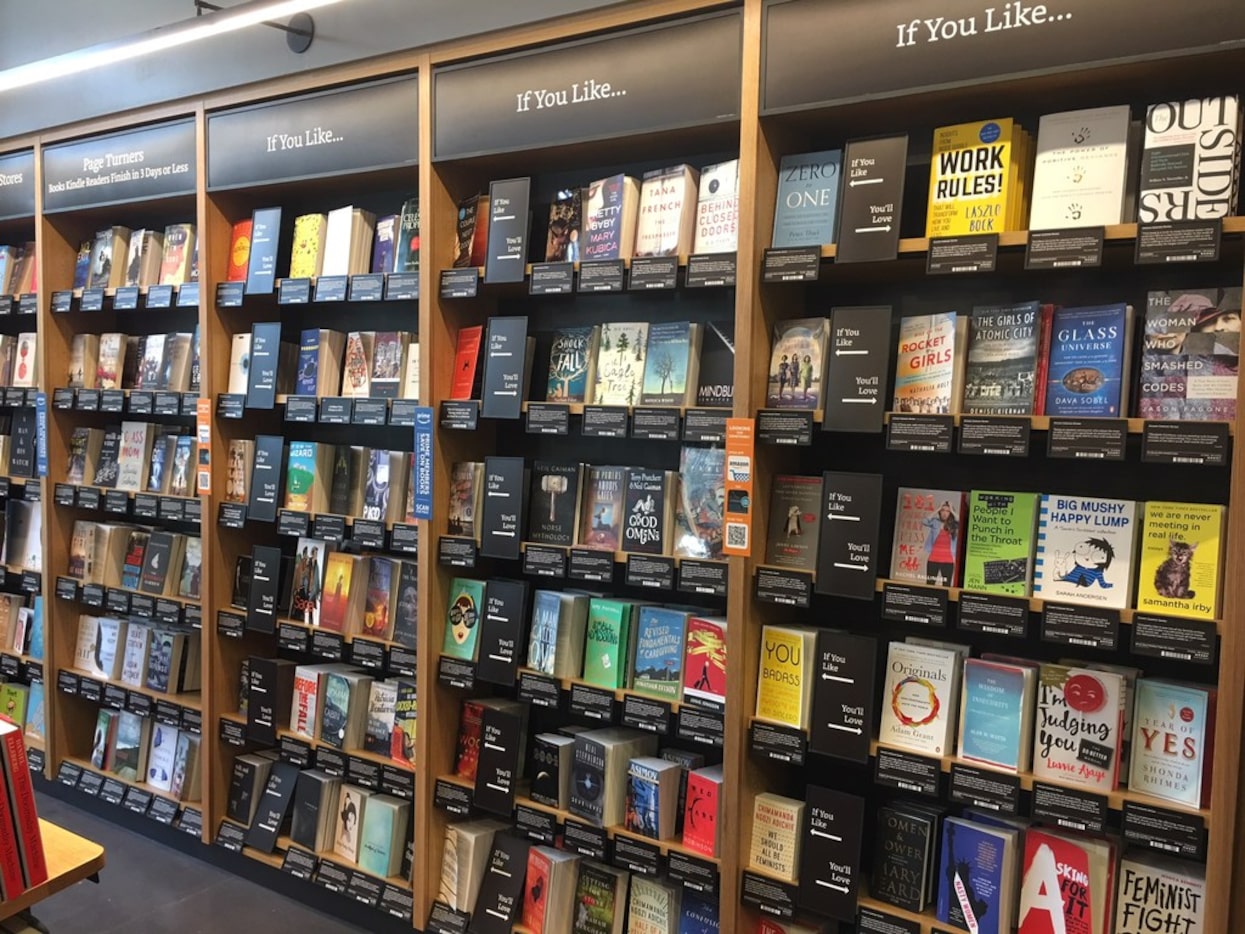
[806, 211]
[36, 630]
[571, 359]
[382, 248]
[307, 381]
[1088, 362]
[643, 801]
[261, 272]
[698, 915]
[992, 720]
[666, 369]
[971, 874]
[542, 643]
[658, 667]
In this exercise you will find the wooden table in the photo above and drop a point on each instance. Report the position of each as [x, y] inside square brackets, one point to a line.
[70, 859]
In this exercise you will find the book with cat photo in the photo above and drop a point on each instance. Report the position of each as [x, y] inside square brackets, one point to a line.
[1181, 550]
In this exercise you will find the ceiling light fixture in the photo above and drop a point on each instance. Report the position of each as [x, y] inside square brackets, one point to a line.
[164, 38]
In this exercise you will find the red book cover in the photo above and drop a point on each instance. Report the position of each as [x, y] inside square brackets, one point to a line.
[704, 662]
[1057, 895]
[239, 251]
[700, 815]
[1043, 361]
[470, 724]
[465, 356]
[11, 884]
[536, 891]
[24, 817]
[335, 601]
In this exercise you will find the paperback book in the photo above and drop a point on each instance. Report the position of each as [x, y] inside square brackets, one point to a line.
[1190, 357]
[1085, 550]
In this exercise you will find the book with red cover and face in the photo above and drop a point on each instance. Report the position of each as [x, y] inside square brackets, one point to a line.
[704, 662]
[239, 251]
[926, 546]
[470, 725]
[1068, 884]
[466, 353]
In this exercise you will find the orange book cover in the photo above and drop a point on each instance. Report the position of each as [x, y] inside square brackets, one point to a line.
[335, 602]
[465, 357]
[239, 251]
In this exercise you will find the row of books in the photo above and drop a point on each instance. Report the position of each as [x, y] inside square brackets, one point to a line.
[22, 861]
[320, 812]
[1159, 557]
[139, 654]
[134, 456]
[23, 535]
[347, 708]
[1089, 168]
[501, 880]
[154, 362]
[136, 558]
[19, 360]
[633, 509]
[117, 257]
[138, 749]
[358, 364]
[25, 706]
[21, 626]
[19, 271]
[19, 437]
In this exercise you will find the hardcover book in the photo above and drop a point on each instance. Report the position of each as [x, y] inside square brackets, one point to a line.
[471, 247]
[377, 611]
[1080, 721]
[667, 214]
[307, 253]
[559, 627]
[785, 677]
[1003, 353]
[562, 245]
[621, 356]
[341, 602]
[977, 888]
[549, 890]
[552, 754]
[648, 513]
[180, 249]
[797, 364]
[406, 604]
[1173, 734]
[777, 828]
[406, 246]
[1085, 550]
[572, 364]
[388, 351]
[607, 646]
[599, 774]
[1067, 884]
[717, 209]
[715, 387]
[661, 634]
[928, 532]
[1191, 163]
[405, 710]
[601, 516]
[1181, 553]
[382, 246]
[466, 485]
[904, 856]
[654, 906]
[1090, 352]
[794, 526]
[1190, 357]
[1160, 894]
[462, 631]
[704, 662]
[930, 368]
[382, 841]
[357, 366]
[600, 899]
[975, 177]
[998, 556]
[553, 513]
[1082, 169]
[609, 217]
[996, 714]
[701, 501]
[806, 208]
[919, 698]
[672, 370]
[466, 355]
[239, 251]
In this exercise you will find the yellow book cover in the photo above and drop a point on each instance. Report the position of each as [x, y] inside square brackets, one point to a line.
[777, 823]
[1181, 547]
[784, 688]
[307, 256]
[970, 179]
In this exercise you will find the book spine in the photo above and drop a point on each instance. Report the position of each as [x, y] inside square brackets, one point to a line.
[11, 884]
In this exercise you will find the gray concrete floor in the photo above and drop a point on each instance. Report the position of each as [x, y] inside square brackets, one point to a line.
[149, 888]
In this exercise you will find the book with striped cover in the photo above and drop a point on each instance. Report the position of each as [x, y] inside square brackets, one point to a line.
[1086, 550]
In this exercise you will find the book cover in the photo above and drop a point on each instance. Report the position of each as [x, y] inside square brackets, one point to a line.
[1190, 358]
[715, 384]
[928, 531]
[1191, 161]
[1080, 719]
[646, 512]
[180, 246]
[357, 368]
[307, 253]
[1160, 894]
[670, 374]
[929, 366]
[654, 906]
[704, 662]
[609, 218]
[376, 486]
[377, 620]
[472, 242]
[717, 209]
[996, 714]
[777, 826]
[562, 244]
[1066, 885]
[300, 476]
[972, 185]
[466, 355]
[703, 810]
[975, 889]
[466, 484]
[572, 364]
[1088, 361]
[794, 526]
[239, 251]
[797, 364]
[659, 644]
[461, 630]
[701, 502]
[1080, 174]
[406, 245]
[599, 899]
[607, 645]
[698, 915]
[806, 207]
[919, 698]
[998, 555]
[601, 517]
[553, 508]
[1085, 550]
[667, 212]
[902, 857]
[1173, 741]
[383, 244]
[406, 605]
[1181, 550]
[785, 677]
[337, 597]
[470, 726]
[387, 352]
[405, 708]
[621, 355]
[1000, 375]
[652, 787]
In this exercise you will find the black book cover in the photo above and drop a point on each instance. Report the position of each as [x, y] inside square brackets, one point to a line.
[502, 631]
[900, 847]
[342, 484]
[265, 589]
[843, 698]
[261, 272]
[554, 498]
[406, 607]
[274, 807]
[830, 857]
[507, 230]
[106, 467]
[261, 388]
[500, 901]
[309, 805]
[588, 779]
[241, 582]
[156, 563]
[505, 367]
[644, 515]
[716, 386]
[869, 209]
[498, 768]
[269, 694]
[856, 377]
[266, 475]
[546, 772]
[241, 790]
[23, 444]
[847, 549]
[501, 515]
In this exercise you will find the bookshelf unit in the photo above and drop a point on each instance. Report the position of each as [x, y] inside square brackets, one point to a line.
[704, 82]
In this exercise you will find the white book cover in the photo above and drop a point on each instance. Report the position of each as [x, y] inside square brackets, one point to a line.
[1080, 176]
[1080, 721]
[239, 363]
[717, 209]
[161, 756]
[920, 698]
[1158, 894]
[1086, 550]
[1191, 163]
[134, 663]
[337, 243]
[132, 459]
[1173, 726]
[111, 647]
[667, 209]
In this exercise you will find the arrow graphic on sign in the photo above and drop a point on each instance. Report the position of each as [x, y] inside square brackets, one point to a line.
[857, 182]
[884, 229]
[827, 836]
[850, 567]
[851, 353]
[840, 678]
[870, 401]
[844, 729]
[834, 515]
[838, 888]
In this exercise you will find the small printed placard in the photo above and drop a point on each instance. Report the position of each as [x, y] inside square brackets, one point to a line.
[546, 418]
[401, 661]
[293, 524]
[329, 528]
[585, 840]
[653, 272]
[705, 426]
[331, 761]
[112, 791]
[87, 400]
[28, 304]
[232, 734]
[295, 751]
[605, 421]
[791, 264]
[333, 876]
[1071, 248]
[784, 587]
[926, 434]
[229, 294]
[606, 275]
[769, 896]
[367, 287]
[230, 837]
[910, 603]
[999, 435]
[301, 409]
[968, 254]
[397, 782]
[644, 713]
[1164, 830]
[655, 424]
[457, 552]
[637, 856]
[402, 287]
[294, 292]
[456, 673]
[364, 653]
[460, 283]
[142, 403]
[187, 295]
[695, 874]
[998, 616]
[443, 919]
[539, 690]
[328, 645]
[370, 412]
[404, 539]
[69, 774]
[705, 727]
[191, 822]
[544, 561]
[112, 400]
[1195, 241]
[710, 270]
[1182, 640]
[652, 571]
[92, 300]
[114, 697]
[908, 772]
[146, 505]
[1087, 438]
[780, 743]
[293, 639]
[363, 772]
[538, 826]
[231, 405]
[231, 516]
[451, 798]
[1069, 808]
[62, 398]
[300, 863]
[163, 811]
[336, 410]
[1204, 444]
[593, 703]
[1088, 627]
[167, 403]
[985, 788]
[363, 888]
[62, 301]
[460, 415]
[587, 564]
[552, 279]
[402, 412]
[782, 426]
[707, 578]
[90, 783]
[137, 801]
[872, 921]
[89, 498]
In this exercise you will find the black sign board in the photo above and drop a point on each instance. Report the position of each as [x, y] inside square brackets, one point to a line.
[909, 603]
[300, 863]
[367, 287]
[908, 772]
[592, 703]
[443, 919]
[779, 743]
[126, 299]
[1164, 830]
[544, 561]
[1179, 242]
[636, 856]
[705, 426]
[602, 275]
[605, 421]
[847, 552]
[265, 349]
[17, 185]
[337, 132]
[539, 690]
[501, 630]
[505, 367]
[507, 230]
[643, 713]
[499, 763]
[652, 571]
[870, 921]
[502, 512]
[952, 255]
[695, 874]
[1183, 640]
[928, 434]
[163, 811]
[1201, 443]
[89, 783]
[843, 695]
[537, 826]
[706, 727]
[830, 857]
[769, 896]
[869, 208]
[460, 415]
[456, 673]
[1087, 438]
[151, 162]
[336, 410]
[333, 877]
[785, 426]
[791, 264]
[591, 89]
[820, 51]
[655, 424]
[653, 272]
[702, 577]
[67, 682]
[860, 343]
[999, 616]
[261, 611]
[552, 279]
[985, 788]
[1069, 808]
[1089, 627]
[710, 270]
[585, 840]
[545, 418]
[369, 412]
[1073, 248]
[784, 587]
[1002, 435]
[587, 564]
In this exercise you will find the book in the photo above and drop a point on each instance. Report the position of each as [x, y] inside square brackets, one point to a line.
[352, 805]
[356, 381]
[378, 728]
[701, 501]
[671, 373]
[26, 361]
[307, 704]
[1181, 552]
[129, 759]
[717, 209]
[601, 513]
[134, 455]
[794, 526]
[306, 477]
[388, 352]
[1191, 160]
[14, 701]
[464, 858]
[549, 889]
[698, 915]
[1190, 355]
[103, 745]
[406, 604]
[620, 365]
[996, 714]
[307, 252]
[83, 361]
[22, 815]
[553, 511]
[1090, 350]
[83, 264]
[1173, 738]
[383, 244]
[144, 259]
[405, 708]
[107, 269]
[161, 556]
[609, 218]
[385, 821]
[652, 797]
[135, 558]
[1085, 550]
[666, 221]
[572, 364]
[314, 809]
[1080, 720]
[904, 855]
[166, 663]
[928, 532]
[977, 885]
[998, 554]
[471, 246]
[470, 726]
[462, 631]
[377, 610]
[1082, 169]
[704, 662]
[607, 645]
[797, 364]
[975, 177]
[238, 470]
[185, 783]
[137, 653]
[466, 356]
[1159, 894]
[348, 236]
[648, 511]
[239, 250]
[929, 371]
[109, 360]
[1067, 884]
[600, 899]
[239, 363]
[1004, 347]
[410, 371]
[777, 827]
[919, 699]
[319, 362]
[406, 238]
[466, 487]
[552, 756]
[785, 676]
[715, 385]
[600, 761]
[661, 636]
[180, 249]
[806, 206]
[559, 627]
[562, 242]
[341, 603]
[701, 818]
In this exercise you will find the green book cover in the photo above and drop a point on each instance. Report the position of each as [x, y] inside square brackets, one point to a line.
[462, 629]
[999, 555]
[605, 649]
[374, 848]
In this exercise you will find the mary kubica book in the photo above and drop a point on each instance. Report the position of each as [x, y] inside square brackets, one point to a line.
[1085, 550]
[998, 556]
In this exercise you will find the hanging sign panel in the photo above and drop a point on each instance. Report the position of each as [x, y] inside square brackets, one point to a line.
[17, 184]
[150, 162]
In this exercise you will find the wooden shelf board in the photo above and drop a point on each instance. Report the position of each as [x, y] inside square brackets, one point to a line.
[85, 765]
[191, 699]
[315, 743]
[347, 638]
